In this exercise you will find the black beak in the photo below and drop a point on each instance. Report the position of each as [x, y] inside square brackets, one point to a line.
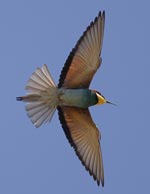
[110, 103]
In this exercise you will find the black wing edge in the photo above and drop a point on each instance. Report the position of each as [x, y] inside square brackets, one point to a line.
[71, 55]
[68, 136]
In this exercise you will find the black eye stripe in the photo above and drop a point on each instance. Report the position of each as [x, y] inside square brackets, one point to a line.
[100, 94]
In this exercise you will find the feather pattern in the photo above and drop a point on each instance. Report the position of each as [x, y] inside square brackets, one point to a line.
[84, 59]
[40, 80]
[84, 136]
[42, 96]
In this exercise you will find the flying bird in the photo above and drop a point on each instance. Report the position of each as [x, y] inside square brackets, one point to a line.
[72, 97]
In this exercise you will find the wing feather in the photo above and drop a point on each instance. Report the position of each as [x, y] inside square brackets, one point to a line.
[84, 59]
[83, 135]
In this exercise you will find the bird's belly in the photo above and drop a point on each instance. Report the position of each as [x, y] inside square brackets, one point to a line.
[74, 97]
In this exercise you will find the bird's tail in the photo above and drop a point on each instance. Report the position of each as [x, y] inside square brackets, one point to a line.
[42, 97]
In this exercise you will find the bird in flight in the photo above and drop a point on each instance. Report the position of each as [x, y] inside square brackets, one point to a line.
[72, 97]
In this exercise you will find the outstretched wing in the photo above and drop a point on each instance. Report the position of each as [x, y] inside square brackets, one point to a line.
[84, 136]
[84, 59]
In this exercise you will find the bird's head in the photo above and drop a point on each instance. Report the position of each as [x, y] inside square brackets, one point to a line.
[101, 99]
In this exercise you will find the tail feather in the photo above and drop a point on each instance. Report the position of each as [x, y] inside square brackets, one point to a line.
[41, 114]
[42, 97]
[40, 80]
[19, 98]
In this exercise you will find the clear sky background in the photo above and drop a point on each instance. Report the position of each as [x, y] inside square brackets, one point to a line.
[37, 161]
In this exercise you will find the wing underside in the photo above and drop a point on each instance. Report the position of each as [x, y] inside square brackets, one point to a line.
[84, 59]
[83, 136]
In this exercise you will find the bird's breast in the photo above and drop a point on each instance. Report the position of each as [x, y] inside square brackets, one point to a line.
[82, 98]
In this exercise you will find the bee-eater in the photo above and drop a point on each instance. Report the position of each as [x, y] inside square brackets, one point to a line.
[72, 97]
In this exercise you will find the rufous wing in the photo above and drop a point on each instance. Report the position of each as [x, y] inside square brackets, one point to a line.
[83, 136]
[84, 59]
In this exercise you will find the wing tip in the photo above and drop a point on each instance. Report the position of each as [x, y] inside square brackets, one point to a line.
[101, 13]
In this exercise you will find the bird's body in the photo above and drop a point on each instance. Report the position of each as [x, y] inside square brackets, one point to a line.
[72, 98]
[81, 98]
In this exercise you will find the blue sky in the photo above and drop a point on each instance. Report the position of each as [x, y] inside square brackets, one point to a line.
[34, 161]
